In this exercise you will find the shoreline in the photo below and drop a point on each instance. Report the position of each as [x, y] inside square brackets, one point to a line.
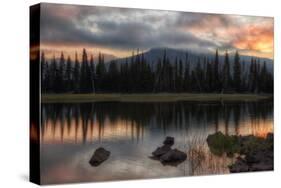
[155, 97]
[254, 153]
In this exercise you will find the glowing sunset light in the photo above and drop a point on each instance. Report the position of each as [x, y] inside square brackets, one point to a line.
[119, 31]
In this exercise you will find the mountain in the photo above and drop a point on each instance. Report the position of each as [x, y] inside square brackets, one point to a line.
[107, 57]
[154, 54]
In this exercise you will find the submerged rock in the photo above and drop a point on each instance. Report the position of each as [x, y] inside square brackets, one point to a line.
[168, 156]
[269, 137]
[261, 167]
[173, 156]
[169, 141]
[161, 151]
[99, 156]
[239, 166]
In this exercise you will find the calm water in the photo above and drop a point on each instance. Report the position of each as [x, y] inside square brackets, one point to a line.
[131, 131]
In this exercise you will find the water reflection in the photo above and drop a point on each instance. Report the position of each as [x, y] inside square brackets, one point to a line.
[71, 132]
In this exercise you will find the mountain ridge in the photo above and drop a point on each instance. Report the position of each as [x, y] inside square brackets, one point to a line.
[154, 54]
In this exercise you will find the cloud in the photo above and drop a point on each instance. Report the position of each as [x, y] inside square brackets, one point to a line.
[258, 38]
[121, 28]
[128, 29]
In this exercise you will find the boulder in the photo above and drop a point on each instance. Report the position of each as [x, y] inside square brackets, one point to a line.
[239, 166]
[168, 156]
[169, 141]
[263, 166]
[161, 151]
[99, 156]
[255, 157]
[269, 137]
[258, 151]
[173, 156]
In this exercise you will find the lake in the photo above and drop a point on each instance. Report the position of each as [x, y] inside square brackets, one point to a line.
[70, 133]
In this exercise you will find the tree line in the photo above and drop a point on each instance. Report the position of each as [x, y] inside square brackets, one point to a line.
[137, 75]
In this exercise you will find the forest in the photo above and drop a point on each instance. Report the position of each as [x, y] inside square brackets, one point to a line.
[138, 75]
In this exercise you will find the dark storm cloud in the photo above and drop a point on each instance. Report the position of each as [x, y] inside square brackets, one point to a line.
[115, 27]
[203, 20]
[121, 30]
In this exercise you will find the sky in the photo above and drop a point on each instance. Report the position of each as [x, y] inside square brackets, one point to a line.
[119, 31]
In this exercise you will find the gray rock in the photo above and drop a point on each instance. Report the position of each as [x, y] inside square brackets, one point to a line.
[169, 141]
[269, 137]
[262, 167]
[239, 166]
[173, 156]
[168, 156]
[99, 156]
[161, 151]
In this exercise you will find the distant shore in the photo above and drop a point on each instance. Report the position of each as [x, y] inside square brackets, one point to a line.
[148, 97]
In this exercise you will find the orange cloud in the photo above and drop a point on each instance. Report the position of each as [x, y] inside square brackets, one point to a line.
[256, 38]
[252, 35]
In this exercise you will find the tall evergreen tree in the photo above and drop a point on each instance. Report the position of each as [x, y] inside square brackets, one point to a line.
[60, 75]
[100, 74]
[226, 77]
[199, 76]
[209, 77]
[68, 75]
[252, 81]
[44, 69]
[186, 79]
[237, 72]
[85, 81]
[56, 78]
[112, 77]
[76, 75]
[92, 72]
[216, 77]
[181, 78]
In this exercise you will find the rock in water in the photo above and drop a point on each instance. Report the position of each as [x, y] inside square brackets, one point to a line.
[99, 156]
[173, 156]
[239, 166]
[269, 137]
[168, 156]
[169, 141]
[257, 151]
[161, 151]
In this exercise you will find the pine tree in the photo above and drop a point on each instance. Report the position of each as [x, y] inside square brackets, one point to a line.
[68, 76]
[158, 76]
[76, 75]
[180, 73]
[209, 77]
[86, 80]
[100, 74]
[53, 70]
[47, 78]
[60, 75]
[175, 76]
[43, 72]
[92, 72]
[199, 76]
[112, 77]
[263, 77]
[56, 79]
[253, 76]
[216, 77]
[237, 72]
[186, 79]
[226, 78]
